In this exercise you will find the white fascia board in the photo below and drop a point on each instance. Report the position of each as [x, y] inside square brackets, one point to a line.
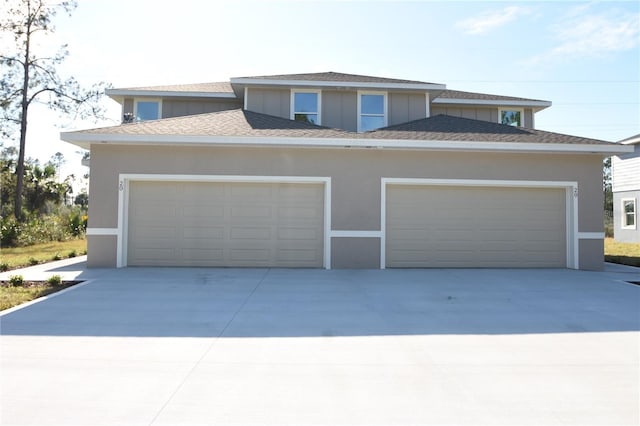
[350, 84]
[167, 93]
[492, 102]
[84, 140]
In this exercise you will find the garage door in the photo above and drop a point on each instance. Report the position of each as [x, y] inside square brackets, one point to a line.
[225, 224]
[449, 226]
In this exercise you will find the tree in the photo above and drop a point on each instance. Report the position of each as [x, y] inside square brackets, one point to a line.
[29, 77]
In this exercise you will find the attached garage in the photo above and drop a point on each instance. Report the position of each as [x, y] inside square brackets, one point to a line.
[235, 224]
[448, 226]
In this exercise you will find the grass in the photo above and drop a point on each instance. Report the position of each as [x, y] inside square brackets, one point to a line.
[11, 296]
[18, 257]
[623, 253]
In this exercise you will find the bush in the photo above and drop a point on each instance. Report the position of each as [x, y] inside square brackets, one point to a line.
[33, 261]
[55, 280]
[16, 280]
[64, 224]
[56, 256]
[72, 253]
[4, 267]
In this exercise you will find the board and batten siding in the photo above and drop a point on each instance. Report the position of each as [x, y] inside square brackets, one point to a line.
[180, 108]
[626, 171]
[479, 113]
[275, 102]
[404, 107]
[340, 110]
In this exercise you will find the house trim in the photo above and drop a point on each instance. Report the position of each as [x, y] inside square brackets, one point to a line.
[337, 84]
[385, 106]
[356, 234]
[571, 206]
[135, 107]
[520, 110]
[623, 213]
[125, 179]
[101, 231]
[496, 102]
[85, 140]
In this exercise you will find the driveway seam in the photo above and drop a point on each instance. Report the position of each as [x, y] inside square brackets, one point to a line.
[206, 352]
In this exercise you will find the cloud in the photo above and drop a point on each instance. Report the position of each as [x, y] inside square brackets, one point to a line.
[491, 20]
[593, 35]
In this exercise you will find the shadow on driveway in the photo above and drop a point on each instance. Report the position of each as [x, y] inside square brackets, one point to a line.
[201, 302]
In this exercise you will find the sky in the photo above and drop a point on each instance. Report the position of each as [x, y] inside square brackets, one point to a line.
[584, 57]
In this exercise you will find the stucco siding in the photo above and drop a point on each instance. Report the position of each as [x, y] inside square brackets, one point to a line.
[355, 253]
[269, 101]
[625, 235]
[178, 108]
[626, 171]
[339, 110]
[591, 254]
[101, 251]
[355, 174]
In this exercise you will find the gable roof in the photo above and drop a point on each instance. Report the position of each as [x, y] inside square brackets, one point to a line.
[240, 127]
[633, 140]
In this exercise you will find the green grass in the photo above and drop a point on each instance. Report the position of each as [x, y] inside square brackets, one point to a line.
[18, 257]
[11, 296]
[623, 253]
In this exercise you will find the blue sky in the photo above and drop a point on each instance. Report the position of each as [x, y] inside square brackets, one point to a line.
[582, 56]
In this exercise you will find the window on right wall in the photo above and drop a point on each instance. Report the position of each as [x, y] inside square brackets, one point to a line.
[629, 213]
[511, 117]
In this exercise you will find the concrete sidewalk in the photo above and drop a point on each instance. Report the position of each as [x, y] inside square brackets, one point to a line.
[307, 347]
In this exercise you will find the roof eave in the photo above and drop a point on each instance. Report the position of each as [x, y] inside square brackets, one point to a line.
[243, 81]
[85, 140]
[535, 104]
[121, 93]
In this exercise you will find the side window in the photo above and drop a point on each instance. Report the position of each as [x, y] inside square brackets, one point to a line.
[147, 110]
[372, 111]
[629, 213]
[305, 106]
[511, 117]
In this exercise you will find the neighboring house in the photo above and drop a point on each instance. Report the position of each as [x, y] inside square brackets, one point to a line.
[339, 171]
[625, 180]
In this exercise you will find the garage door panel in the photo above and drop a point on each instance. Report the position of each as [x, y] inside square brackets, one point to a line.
[443, 226]
[225, 224]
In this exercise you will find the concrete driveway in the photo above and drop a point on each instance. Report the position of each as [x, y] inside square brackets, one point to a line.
[301, 347]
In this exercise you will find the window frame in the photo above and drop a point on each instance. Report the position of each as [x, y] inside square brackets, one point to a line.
[624, 224]
[520, 110]
[385, 103]
[138, 100]
[293, 112]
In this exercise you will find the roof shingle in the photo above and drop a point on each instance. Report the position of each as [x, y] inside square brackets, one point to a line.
[336, 77]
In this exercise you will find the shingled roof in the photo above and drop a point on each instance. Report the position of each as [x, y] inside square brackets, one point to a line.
[458, 94]
[241, 123]
[335, 77]
[215, 87]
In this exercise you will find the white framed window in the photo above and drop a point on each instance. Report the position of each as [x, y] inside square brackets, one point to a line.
[511, 116]
[629, 213]
[147, 109]
[372, 110]
[306, 106]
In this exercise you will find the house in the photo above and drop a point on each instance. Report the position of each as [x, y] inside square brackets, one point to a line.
[625, 182]
[334, 170]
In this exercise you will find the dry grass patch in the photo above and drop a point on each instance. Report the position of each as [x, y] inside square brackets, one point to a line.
[14, 295]
[18, 257]
[623, 253]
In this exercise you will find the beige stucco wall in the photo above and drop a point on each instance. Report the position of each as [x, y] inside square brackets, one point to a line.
[355, 174]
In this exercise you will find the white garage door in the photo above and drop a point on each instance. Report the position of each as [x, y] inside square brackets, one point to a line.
[449, 226]
[225, 224]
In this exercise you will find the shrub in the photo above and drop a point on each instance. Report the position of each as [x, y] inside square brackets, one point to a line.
[72, 253]
[55, 280]
[33, 261]
[16, 280]
[4, 267]
[56, 256]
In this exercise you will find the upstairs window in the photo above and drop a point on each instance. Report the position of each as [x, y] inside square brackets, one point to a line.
[629, 213]
[305, 107]
[147, 110]
[511, 117]
[372, 111]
